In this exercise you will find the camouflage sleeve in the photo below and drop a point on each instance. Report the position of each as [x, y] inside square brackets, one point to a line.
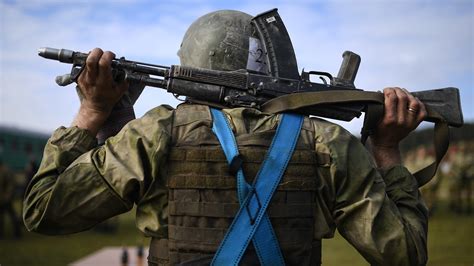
[380, 214]
[80, 184]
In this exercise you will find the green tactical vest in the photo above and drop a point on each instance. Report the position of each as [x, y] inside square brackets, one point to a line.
[202, 200]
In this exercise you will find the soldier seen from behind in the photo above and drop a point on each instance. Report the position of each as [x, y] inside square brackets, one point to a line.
[170, 164]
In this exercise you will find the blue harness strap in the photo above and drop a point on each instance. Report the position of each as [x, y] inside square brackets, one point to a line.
[265, 241]
[251, 221]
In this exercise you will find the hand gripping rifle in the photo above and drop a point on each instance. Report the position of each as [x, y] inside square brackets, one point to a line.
[281, 88]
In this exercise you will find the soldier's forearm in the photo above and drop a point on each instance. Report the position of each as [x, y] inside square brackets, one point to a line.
[385, 157]
[393, 231]
[90, 119]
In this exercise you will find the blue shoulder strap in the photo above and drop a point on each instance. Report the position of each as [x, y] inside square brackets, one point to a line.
[251, 221]
[265, 241]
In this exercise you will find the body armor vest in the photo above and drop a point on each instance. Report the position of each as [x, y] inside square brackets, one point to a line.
[203, 195]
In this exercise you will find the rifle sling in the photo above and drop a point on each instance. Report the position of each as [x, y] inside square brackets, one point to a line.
[297, 101]
[441, 144]
[374, 102]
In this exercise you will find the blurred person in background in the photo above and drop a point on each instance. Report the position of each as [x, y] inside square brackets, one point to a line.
[7, 193]
[418, 159]
[462, 175]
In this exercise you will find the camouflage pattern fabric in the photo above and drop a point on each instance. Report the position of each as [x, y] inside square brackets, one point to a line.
[80, 184]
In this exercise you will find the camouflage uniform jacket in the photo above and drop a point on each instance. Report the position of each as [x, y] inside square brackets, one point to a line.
[80, 184]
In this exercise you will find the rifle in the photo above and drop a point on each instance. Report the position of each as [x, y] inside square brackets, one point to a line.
[280, 88]
[244, 88]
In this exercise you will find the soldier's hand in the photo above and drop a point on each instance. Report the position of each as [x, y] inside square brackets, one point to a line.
[98, 90]
[402, 114]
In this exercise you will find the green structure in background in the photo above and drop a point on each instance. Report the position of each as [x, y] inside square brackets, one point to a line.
[20, 147]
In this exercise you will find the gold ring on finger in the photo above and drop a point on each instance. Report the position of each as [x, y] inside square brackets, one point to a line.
[412, 110]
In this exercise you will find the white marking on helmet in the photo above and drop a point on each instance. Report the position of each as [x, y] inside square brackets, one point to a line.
[270, 19]
[257, 59]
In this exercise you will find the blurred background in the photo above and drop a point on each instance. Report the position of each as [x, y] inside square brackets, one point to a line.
[417, 45]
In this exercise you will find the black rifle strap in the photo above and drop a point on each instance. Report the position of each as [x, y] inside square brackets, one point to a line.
[374, 101]
[373, 115]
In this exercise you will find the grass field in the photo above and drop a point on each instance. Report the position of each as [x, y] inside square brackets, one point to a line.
[450, 243]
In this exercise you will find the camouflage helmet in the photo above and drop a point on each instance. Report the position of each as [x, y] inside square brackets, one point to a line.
[218, 41]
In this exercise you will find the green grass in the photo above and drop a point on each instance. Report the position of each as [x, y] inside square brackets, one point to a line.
[36, 249]
[450, 242]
